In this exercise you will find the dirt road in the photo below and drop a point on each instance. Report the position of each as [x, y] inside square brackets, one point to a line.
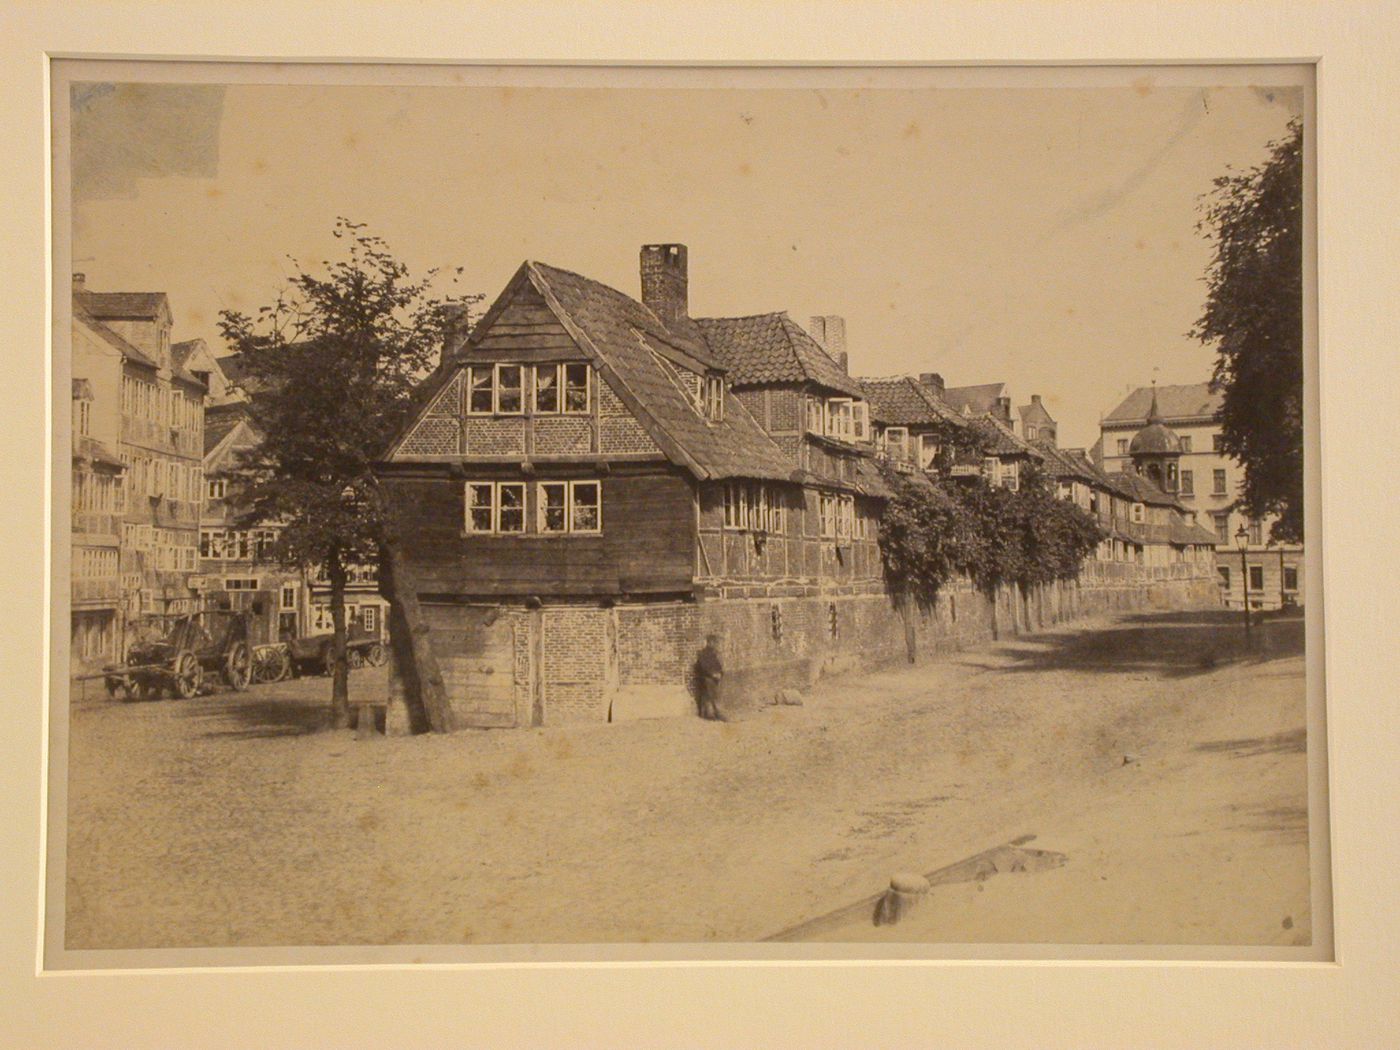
[1165, 763]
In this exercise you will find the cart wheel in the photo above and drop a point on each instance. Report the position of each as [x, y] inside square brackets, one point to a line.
[355, 659]
[188, 676]
[238, 667]
[270, 664]
[376, 657]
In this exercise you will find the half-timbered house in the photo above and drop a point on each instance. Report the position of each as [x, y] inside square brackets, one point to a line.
[595, 483]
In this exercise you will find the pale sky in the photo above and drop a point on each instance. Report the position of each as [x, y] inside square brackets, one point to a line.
[1044, 237]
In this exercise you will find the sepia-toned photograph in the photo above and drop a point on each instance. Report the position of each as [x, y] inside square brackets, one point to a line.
[692, 513]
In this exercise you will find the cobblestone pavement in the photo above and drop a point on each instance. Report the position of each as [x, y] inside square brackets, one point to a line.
[1166, 763]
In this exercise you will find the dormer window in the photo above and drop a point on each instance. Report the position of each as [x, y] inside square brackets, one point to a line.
[896, 442]
[712, 406]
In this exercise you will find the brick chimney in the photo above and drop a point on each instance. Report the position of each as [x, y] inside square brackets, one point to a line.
[665, 281]
[456, 326]
[933, 381]
[1035, 399]
[829, 330]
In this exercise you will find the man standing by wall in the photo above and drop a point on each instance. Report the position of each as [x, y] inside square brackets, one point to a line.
[709, 673]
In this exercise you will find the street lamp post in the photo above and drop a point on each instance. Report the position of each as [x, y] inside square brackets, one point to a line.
[1242, 540]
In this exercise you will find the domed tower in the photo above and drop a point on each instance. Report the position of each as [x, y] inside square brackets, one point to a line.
[1156, 450]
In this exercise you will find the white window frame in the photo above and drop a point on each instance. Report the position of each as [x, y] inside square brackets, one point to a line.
[468, 525]
[472, 372]
[598, 528]
[496, 398]
[927, 458]
[860, 420]
[288, 590]
[558, 370]
[369, 618]
[501, 487]
[541, 507]
[564, 388]
[826, 515]
[1219, 483]
[713, 407]
[237, 583]
[895, 435]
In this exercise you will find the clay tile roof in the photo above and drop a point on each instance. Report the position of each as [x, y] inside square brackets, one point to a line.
[1142, 490]
[627, 337]
[1190, 401]
[122, 306]
[772, 348]
[91, 449]
[976, 399]
[129, 352]
[1065, 464]
[219, 420]
[904, 401]
[1004, 442]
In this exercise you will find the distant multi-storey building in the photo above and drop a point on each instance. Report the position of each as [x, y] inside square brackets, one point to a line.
[138, 443]
[1208, 482]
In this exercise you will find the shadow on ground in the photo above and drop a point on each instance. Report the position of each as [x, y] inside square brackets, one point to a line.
[1169, 644]
[251, 716]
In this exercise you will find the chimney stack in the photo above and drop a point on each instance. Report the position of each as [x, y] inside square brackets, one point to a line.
[829, 330]
[454, 330]
[79, 281]
[1035, 399]
[932, 380]
[665, 281]
[1004, 409]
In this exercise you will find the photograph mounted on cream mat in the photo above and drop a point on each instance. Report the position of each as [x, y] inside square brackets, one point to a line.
[664, 513]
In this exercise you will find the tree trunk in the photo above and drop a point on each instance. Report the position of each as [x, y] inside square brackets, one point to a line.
[340, 666]
[424, 691]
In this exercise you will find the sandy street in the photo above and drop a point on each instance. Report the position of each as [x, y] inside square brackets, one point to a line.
[1166, 764]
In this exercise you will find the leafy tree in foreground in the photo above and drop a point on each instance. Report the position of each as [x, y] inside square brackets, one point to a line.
[1254, 314]
[333, 364]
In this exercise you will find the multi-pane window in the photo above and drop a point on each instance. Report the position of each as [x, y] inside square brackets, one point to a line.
[553, 514]
[585, 506]
[1256, 533]
[1217, 443]
[369, 618]
[84, 416]
[1290, 577]
[1139, 513]
[1256, 577]
[240, 583]
[1122, 446]
[576, 383]
[928, 451]
[897, 441]
[510, 389]
[1222, 526]
[826, 508]
[481, 397]
[1218, 482]
[1030, 433]
[288, 599]
[561, 506]
[1188, 483]
[547, 394]
[510, 506]
[1011, 476]
[481, 506]
[750, 505]
[713, 407]
[217, 488]
[840, 422]
[815, 415]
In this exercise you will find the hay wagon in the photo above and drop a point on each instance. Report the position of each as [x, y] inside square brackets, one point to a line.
[180, 654]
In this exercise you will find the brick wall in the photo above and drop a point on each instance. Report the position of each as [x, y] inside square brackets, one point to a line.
[561, 435]
[574, 665]
[753, 401]
[785, 410]
[495, 437]
[623, 434]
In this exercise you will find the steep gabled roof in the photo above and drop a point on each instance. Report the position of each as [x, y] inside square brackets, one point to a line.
[1191, 401]
[1004, 441]
[976, 399]
[1066, 463]
[904, 401]
[1142, 490]
[1035, 412]
[128, 352]
[773, 348]
[123, 306]
[630, 344]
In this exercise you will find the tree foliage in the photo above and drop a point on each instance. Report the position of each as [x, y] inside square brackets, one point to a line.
[1254, 316]
[332, 366]
[930, 534]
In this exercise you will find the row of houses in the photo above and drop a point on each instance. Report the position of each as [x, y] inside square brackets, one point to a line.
[595, 483]
[156, 427]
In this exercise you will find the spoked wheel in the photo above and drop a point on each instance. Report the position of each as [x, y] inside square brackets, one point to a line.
[375, 656]
[270, 664]
[238, 666]
[355, 659]
[188, 676]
